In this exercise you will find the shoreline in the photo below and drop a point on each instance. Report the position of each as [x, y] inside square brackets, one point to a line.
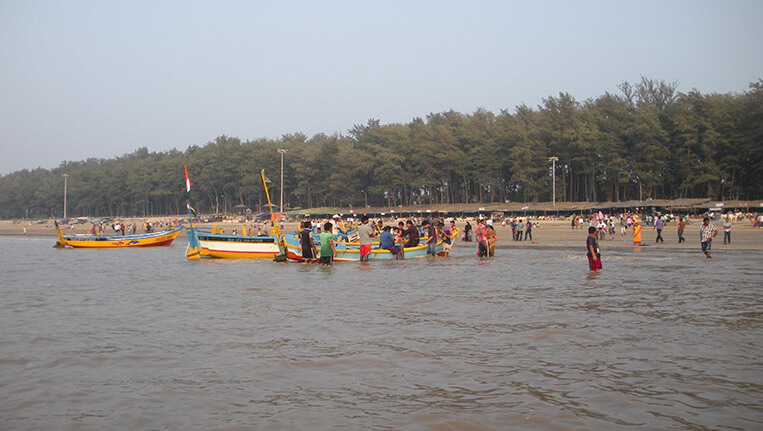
[550, 233]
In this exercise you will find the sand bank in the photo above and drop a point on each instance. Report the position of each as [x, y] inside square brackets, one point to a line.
[555, 233]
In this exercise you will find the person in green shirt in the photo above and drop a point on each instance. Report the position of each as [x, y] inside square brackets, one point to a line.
[327, 246]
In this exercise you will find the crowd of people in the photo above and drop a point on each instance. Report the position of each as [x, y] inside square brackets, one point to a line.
[599, 226]
[120, 228]
[395, 239]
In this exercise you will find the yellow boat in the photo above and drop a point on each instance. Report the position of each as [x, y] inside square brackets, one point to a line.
[152, 239]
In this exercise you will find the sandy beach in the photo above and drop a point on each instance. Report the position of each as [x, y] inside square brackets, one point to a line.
[549, 233]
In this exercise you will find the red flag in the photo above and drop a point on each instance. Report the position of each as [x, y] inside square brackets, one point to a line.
[188, 182]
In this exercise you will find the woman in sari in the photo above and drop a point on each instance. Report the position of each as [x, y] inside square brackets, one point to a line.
[637, 233]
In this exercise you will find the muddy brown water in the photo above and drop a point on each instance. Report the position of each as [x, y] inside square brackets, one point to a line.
[530, 339]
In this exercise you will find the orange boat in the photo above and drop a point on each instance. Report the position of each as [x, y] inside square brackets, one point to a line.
[152, 239]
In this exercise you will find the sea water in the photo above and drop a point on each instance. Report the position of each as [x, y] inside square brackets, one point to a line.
[145, 339]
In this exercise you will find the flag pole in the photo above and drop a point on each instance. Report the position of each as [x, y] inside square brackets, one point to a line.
[193, 251]
[267, 193]
[274, 226]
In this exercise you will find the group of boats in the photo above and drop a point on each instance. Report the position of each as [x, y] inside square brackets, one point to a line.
[209, 243]
[206, 243]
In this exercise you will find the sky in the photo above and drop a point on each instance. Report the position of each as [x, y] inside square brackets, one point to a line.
[93, 78]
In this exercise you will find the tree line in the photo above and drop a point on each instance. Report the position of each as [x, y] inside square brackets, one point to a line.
[645, 141]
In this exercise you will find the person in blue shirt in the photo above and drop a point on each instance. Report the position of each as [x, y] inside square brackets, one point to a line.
[658, 225]
[387, 242]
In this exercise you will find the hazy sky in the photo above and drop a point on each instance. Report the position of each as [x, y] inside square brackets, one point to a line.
[82, 79]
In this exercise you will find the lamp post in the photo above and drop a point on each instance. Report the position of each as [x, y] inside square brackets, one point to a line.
[65, 177]
[553, 160]
[282, 151]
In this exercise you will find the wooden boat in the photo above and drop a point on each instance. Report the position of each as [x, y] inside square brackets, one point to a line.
[215, 245]
[348, 252]
[152, 239]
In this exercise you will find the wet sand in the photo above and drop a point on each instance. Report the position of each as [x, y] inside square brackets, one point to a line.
[550, 233]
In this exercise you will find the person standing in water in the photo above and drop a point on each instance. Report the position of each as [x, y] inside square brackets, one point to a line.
[706, 234]
[483, 247]
[328, 252]
[306, 242]
[592, 245]
[366, 237]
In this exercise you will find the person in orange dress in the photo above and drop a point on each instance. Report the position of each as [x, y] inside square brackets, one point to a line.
[637, 233]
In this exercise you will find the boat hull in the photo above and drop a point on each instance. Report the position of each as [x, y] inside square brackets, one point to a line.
[155, 239]
[231, 246]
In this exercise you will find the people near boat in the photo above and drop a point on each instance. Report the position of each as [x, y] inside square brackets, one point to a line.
[411, 234]
[398, 236]
[453, 232]
[446, 234]
[492, 238]
[387, 242]
[306, 242]
[431, 233]
[328, 251]
[481, 232]
[379, 227]
[366, 237]
[592, 247]
[337, 229]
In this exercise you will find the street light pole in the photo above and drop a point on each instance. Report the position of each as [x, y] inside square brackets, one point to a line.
[282, 151]
[65, 177]
[553, 160]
